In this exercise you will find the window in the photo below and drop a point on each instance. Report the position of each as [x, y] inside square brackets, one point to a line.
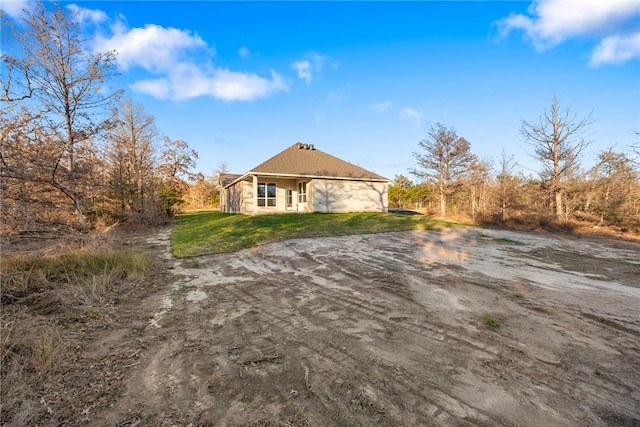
[266, 194]
[302, 192]
[289, 198]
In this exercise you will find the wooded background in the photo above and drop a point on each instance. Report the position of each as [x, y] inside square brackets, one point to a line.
[453, 180]
[76, 153]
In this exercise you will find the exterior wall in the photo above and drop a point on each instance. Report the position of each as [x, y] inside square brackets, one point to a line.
[323, 195]
[247, 197]
[308, 205]
[333, 195]
[232, 199]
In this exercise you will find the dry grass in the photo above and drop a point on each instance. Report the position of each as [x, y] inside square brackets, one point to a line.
[31, 354]
[42, 293]
[37, 348]
[627, 227]
[49, 283]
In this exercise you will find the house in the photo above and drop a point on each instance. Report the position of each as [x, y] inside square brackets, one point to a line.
[304, 179]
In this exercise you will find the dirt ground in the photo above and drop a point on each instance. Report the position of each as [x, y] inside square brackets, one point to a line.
[445, 328]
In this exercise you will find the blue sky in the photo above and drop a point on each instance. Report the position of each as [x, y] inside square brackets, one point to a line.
[364, 81]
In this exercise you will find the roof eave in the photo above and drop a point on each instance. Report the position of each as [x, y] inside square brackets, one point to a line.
[241, 178]
[293, 175]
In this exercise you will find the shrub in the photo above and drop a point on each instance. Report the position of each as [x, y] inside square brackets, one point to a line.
[492, 320]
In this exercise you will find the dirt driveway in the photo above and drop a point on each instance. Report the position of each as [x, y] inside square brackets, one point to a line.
[455, 327]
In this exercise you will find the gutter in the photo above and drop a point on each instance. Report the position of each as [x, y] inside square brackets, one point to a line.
[285, 175]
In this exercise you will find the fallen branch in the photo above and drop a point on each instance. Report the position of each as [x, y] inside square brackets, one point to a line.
[306, 377]
[550, 362]
[131, 365]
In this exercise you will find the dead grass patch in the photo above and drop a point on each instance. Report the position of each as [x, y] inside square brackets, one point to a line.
[42, 293]
[30, 355]
[626, 228]
[49, 283]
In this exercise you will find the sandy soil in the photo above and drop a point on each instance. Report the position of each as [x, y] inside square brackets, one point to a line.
[388, 329]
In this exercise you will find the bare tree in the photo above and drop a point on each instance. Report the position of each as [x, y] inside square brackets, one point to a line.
[27, 199]
[223, 168]
[447, 157]
[507, 183]
[476, 182]
[217, 181]
[131, 157]
[636, 147]
[54, 70]
[558, 139]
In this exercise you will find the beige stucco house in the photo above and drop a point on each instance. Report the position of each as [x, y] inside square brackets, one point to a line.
[304, 179]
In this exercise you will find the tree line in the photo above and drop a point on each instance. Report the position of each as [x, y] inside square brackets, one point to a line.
[73, 150]
[453, 180]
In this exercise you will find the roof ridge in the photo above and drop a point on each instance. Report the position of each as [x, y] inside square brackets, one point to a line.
[305, 160]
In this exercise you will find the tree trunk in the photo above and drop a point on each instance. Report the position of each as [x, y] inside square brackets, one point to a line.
[443, 201]
[76, 204]
[473, 203]
[559, 212]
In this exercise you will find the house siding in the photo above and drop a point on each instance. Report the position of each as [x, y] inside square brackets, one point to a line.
[323, 195]
[332, 195]
[247, 196]
[233, 198]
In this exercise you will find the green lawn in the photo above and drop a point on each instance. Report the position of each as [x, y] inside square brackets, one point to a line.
[202, 233]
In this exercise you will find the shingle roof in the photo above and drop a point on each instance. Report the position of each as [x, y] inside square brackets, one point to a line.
[228, 178]
[305, 160]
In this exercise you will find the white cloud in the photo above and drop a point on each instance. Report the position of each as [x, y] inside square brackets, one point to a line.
[551, 22]
[82, 14]
[616, 50]
[158, 88]
[14, 8]
[153, 47]
[188, 81]
[180, 64]
[554, 21]
[231, 85]
[311, 66]
[304, 70]
[244, 52]
[412, 114]
[382, 106]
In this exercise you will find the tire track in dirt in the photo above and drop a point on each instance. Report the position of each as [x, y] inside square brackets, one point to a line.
[586, 382]
[380, 313]
[613, 388]
[346, 359]
[368, 310]
[387, 330]
[436, 335]
[591, 382]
